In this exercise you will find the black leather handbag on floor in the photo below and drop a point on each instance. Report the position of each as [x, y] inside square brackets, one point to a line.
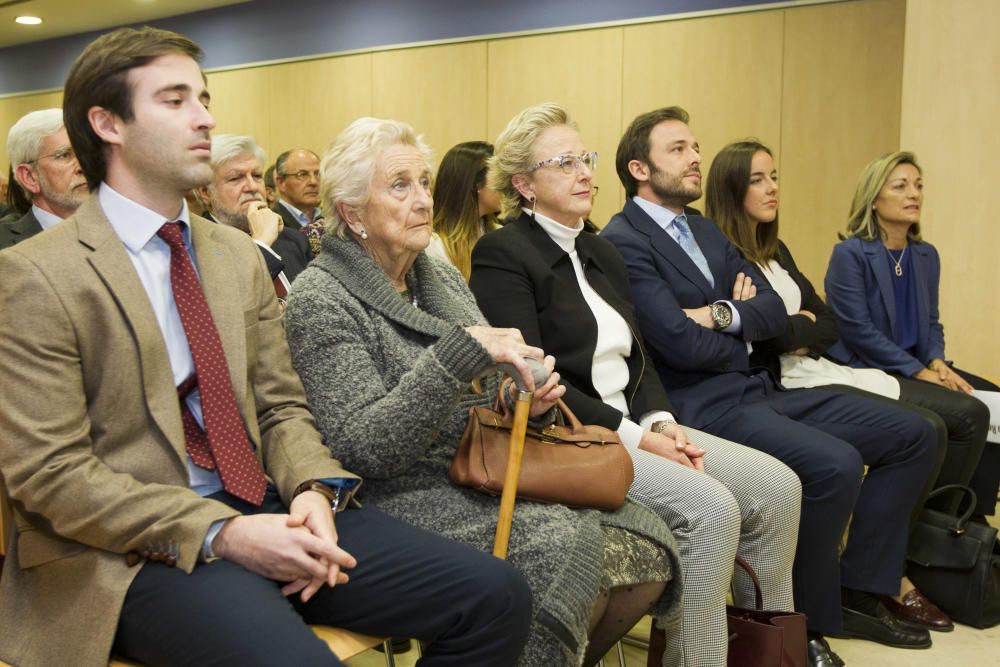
[956, 563]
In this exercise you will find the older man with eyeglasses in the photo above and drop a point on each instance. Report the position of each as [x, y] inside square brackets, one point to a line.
[49, 183]
[296, 174]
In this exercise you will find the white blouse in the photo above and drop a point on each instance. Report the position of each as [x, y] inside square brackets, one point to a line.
[798, 372]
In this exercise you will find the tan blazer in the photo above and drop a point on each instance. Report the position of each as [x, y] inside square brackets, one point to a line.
[91, 441]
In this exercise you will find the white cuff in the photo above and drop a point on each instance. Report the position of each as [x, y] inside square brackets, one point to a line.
[630, 433]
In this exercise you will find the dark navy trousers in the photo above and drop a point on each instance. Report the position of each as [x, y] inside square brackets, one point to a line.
[470, 608]
[827, 438]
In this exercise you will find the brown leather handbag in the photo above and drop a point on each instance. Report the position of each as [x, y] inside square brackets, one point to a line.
[566, 463]
[759, 638]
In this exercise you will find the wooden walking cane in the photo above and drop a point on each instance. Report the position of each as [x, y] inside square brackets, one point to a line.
[517, 431]
[508, 496]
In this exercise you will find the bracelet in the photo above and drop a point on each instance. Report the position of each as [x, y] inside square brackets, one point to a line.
[661, 425]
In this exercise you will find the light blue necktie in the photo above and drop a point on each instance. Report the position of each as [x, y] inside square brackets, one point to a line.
[687, 243]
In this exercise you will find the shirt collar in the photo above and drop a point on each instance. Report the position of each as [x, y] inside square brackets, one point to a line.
[661, 216]
[299, 215]
[135, 224]
[45, 218]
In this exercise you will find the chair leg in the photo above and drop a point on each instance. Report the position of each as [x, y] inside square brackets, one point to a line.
[621, 654]
[657, 645]
[390, 660]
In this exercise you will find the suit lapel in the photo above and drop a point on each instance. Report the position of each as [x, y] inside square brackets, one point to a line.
[219, 278]
[921, 270]
[111, 262]
[667, 248]
[875, 253]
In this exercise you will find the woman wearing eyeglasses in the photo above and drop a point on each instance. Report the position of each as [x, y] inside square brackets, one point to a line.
[566, 289]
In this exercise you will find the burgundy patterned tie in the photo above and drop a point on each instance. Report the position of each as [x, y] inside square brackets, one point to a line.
[229, 449]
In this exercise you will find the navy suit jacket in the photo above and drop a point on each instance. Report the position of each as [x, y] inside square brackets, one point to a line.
[704, 371]
[15, 231]
[859, 289]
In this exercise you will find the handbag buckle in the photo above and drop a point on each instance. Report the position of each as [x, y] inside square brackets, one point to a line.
[549, 434]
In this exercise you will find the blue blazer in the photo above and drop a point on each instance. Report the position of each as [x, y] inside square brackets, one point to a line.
[703, 371]
[859, 289]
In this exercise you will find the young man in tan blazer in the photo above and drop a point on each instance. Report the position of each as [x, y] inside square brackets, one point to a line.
[147, 393]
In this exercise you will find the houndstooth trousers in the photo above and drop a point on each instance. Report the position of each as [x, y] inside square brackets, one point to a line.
[747, 503]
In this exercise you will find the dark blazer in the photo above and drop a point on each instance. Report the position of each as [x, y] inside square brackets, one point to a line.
[289, 245]
[292, 244]
[700, 368]
[15, 231]
[523, 279]
[801, 332]
[859, 289]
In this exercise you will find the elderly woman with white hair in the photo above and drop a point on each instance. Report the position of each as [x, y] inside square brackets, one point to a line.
[387, 342]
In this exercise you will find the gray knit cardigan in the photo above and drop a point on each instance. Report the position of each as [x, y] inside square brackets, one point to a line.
[389, 387]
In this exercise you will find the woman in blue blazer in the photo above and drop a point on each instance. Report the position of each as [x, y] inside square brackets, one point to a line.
[882, 284]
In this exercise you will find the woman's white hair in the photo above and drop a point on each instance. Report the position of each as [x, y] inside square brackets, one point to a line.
[513, 155]
[24, 141]
[348, 167]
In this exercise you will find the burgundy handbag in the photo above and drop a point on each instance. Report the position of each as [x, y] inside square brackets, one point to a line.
[759, 638]
[566, 462]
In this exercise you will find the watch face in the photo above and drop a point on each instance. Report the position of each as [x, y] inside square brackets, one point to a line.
[722, 315]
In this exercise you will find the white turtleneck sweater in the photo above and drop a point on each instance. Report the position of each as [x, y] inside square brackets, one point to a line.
[609, 372]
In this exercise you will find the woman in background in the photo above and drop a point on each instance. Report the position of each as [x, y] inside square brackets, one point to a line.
[464, 207]
[882, 284]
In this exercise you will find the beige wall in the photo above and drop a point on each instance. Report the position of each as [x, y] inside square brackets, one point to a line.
[949, 118]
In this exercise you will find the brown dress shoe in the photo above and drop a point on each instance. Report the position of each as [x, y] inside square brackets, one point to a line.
[917, 610]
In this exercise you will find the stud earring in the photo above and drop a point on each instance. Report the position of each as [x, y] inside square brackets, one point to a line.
[364, 234]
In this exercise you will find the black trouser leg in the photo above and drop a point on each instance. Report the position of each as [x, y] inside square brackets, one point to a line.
[967, 420]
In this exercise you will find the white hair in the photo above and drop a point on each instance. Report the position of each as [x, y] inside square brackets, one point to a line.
[348, 168]
[24, 141]
[225, 147]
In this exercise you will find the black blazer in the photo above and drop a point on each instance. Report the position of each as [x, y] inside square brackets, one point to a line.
[13, 232]
[523, 279]
[818, 336]
[292, 244]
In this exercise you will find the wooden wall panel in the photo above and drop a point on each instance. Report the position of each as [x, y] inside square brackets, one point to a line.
[312, 102]
[840, 109]
[580, 70]
[439, 90]
[950, 97]
[725, 71]
[240, 104]
[11, 110]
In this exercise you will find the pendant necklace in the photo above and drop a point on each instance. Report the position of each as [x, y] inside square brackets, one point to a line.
[897, 262]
